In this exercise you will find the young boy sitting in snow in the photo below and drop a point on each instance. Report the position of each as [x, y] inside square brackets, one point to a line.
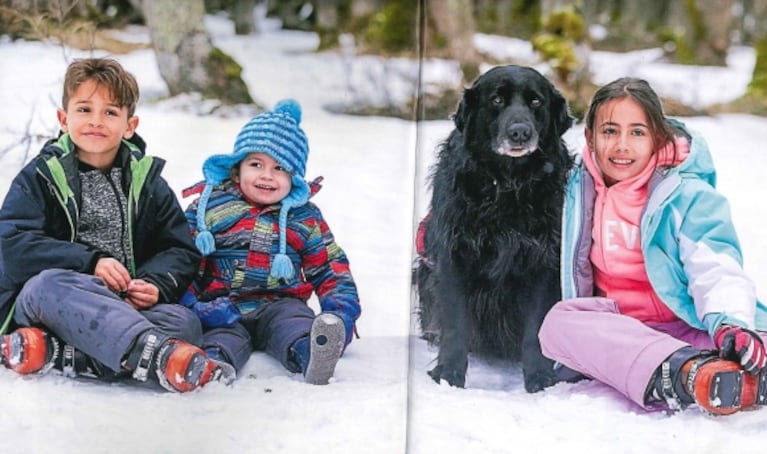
[266, 248]
[95, 250]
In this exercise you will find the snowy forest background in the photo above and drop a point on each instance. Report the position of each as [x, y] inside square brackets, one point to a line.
[360, 110]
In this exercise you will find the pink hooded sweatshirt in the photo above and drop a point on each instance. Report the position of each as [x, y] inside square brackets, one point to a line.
[616, 251]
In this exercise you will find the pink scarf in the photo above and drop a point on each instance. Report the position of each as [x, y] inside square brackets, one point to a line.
[616, 252]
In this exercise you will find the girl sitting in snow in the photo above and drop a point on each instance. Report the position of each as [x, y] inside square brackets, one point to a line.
[655, 300]
[266, 248]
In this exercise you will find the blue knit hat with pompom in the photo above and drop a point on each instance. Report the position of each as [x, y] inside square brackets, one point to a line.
[276, 133]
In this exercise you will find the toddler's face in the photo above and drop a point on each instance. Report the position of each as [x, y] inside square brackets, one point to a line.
[262, 180]
[621, 140]
[96, 124]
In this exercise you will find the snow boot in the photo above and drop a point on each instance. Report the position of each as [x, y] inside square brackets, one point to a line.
[701, 377]
[318, 354]
[177, 365]
[75, 363]
[30, 350]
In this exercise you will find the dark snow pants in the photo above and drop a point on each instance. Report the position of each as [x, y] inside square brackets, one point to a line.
[84, 313]
[272, 328]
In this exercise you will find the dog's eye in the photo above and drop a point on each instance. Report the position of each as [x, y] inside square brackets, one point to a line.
[535, 102]
[497, 100]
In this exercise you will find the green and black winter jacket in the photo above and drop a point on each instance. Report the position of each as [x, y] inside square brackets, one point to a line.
[39, 220]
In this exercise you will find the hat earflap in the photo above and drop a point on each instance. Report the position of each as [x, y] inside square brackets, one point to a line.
[204, 241]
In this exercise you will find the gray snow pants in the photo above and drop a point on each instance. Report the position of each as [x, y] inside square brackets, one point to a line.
[272, 328]
[84, 313]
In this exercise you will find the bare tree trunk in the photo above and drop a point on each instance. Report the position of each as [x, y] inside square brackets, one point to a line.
[187, 60]
[361, 8]
[753, 20]
[713, 31]
[180, 42]
[495, 14]
[706, 25]
[454, 19]
[242, 16]
[758, 20]
[326, 23]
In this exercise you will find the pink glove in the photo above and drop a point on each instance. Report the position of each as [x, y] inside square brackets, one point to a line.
[741, 345]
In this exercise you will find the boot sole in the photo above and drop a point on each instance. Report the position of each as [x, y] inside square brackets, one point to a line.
[326, 344]
[727, 391]
[761, 396]
[225, 373]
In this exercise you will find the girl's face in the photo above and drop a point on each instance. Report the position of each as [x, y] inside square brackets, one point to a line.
[262, 180]
[621, 140]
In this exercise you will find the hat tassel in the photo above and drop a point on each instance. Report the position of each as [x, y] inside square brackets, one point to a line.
[204, 240]
[282, 267]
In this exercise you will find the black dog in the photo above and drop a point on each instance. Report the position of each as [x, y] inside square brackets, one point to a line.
[489, 271]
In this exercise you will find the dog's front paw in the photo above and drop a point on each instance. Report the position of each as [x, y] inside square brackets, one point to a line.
[538, 380]
[453, 377]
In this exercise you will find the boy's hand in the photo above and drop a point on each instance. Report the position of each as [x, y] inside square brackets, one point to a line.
[113, 273]
[142, 294]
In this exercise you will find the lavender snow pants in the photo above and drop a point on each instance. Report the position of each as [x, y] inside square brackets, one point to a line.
[590, 336]
[84, 313]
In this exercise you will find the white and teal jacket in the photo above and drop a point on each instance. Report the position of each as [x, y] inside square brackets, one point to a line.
[691, 251]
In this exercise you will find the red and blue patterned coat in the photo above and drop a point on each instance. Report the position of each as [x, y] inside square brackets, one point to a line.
[247, 239]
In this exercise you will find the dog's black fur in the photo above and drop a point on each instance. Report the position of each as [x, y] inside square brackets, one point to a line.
[490, 268]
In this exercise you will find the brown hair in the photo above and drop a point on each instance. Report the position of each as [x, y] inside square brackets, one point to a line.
[106, 72]
[641, 92]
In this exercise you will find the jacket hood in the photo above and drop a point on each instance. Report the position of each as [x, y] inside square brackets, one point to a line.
[699, 163]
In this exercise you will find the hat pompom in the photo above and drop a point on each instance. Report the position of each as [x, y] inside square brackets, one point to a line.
[282, 267]
[289, 107]
[205, 242]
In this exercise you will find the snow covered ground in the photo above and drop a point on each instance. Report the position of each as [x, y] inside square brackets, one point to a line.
[381, 400]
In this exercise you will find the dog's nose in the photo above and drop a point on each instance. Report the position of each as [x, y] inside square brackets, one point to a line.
[520, 133]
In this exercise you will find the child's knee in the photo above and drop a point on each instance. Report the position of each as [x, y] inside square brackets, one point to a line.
[176, 321]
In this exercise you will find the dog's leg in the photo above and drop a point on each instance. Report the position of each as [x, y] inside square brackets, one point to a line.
[538, 370]
[452, 360]
[424, 281]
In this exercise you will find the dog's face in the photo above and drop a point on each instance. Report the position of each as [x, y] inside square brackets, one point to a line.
[514, 107]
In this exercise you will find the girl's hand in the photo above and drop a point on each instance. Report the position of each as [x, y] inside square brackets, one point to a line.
[741, 345]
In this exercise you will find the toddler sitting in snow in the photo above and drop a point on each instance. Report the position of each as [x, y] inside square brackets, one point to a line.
[266, 249]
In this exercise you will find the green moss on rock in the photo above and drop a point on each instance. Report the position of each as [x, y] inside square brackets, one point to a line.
[226, 79]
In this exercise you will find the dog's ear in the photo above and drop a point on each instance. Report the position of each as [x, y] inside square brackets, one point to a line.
[560, 111]
[460, 117]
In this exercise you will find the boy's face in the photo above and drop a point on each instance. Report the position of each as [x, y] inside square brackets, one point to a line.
[262, 180]
[96, 124]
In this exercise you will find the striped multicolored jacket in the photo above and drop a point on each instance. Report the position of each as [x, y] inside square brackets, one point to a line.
[247, 239]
